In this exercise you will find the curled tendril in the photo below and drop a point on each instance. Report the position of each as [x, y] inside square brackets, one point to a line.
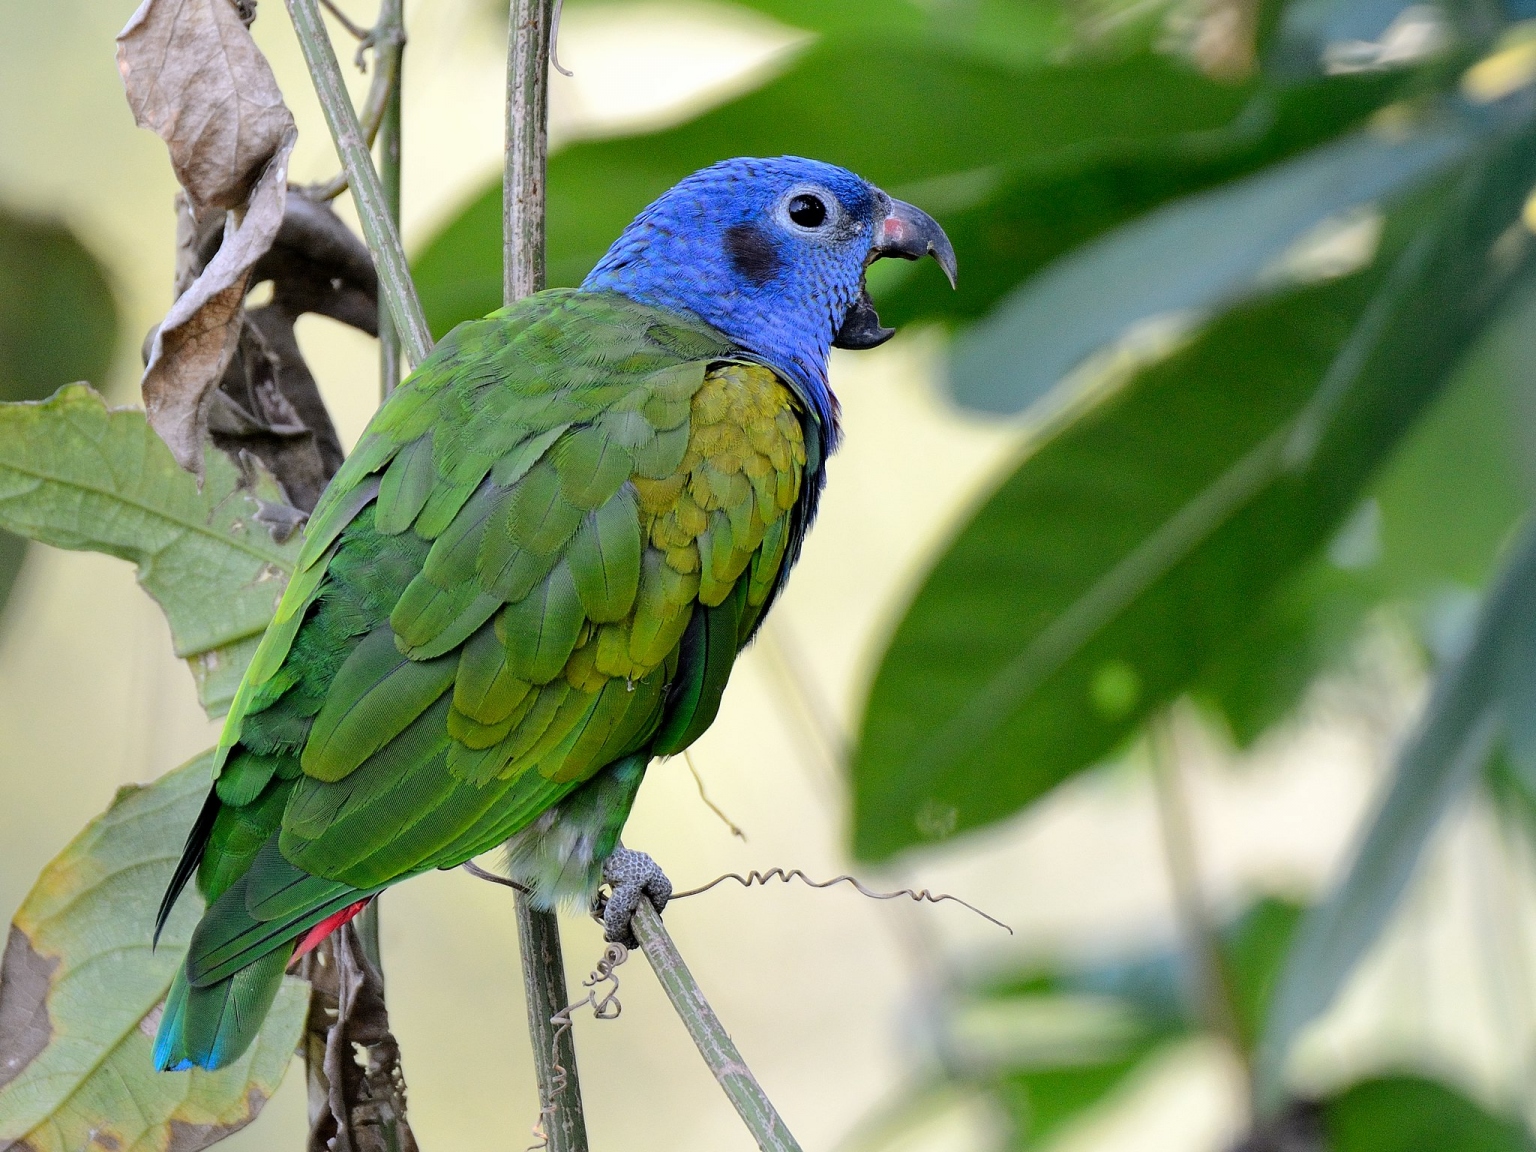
[761, 879]
[554, 40]
[918, 895]
[604, 1007]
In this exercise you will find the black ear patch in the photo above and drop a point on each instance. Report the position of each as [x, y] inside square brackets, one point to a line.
[752, 252]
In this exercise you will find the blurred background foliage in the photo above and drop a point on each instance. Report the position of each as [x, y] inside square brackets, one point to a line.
[58, 323]
[1246, 287]
[1259, 275]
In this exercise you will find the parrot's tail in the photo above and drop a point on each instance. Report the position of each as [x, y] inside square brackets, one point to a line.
[237, 955]
[212, 1026]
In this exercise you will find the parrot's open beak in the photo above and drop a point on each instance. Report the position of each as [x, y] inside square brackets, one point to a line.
[911, 234]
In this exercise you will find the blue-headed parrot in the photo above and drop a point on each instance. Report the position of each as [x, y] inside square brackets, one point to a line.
[532, 577]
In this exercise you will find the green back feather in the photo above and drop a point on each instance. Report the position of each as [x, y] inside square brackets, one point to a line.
[540, 561]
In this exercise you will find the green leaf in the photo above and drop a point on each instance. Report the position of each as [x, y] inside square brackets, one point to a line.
[1448, 751]
[1190, 258]
[58, 323]
[905, 119]
[1020, 222]
[81, 991]
[1428, 530]
[1253, 951]
[1043, 1101]
[1127, 554]
[1054, 1047]
[76, 474]
[1054, 1042]
[1006, 30]
[1410, 1114]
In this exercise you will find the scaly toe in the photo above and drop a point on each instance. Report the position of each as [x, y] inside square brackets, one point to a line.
[631, 875]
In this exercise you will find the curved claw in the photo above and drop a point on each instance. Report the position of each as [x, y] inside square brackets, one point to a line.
[631, 875]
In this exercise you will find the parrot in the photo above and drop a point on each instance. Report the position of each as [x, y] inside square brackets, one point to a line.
[531, 578]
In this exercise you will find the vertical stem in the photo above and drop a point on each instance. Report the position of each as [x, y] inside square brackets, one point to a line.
[561, 1117]
[389, 57]
[367, 191]
[538, 931]
[1218, 1005]
[522, 199]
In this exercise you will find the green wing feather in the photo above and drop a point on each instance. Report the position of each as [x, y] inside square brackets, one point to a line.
[541, 560]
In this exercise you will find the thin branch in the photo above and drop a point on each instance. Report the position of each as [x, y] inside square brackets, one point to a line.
[710, 804]
[916, 895]
[1217, 1002]
[357, 30]
[562, 1121]
[554, 1050]
[388, 39]
[382, 92]
[527, 148]
[372, 208]
[714, 1043]
[357, 1090]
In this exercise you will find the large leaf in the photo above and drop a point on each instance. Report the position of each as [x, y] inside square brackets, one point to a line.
[1128, 554]
[1428, 531]
[76, 474]
[58, 323]
[1490, 686]
[906, 117]
[1030, 32]
[81, 990]
[1192, 257]
[1021, 221]
[1411, 1114]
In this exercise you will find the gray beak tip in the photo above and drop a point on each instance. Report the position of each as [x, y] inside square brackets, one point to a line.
[910, 233]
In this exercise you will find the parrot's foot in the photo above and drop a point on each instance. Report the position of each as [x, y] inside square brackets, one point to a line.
[630, 875]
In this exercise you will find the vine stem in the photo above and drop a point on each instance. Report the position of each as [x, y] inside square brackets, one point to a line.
[1180, 847]
[522, 197]
[379, 229]
[389, 58]
[388, 61]
[562, 1118]
[714, 1042]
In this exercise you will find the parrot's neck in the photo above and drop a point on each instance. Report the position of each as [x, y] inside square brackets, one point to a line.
[787, 326]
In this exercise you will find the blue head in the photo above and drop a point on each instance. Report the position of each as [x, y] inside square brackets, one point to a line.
[772, 253]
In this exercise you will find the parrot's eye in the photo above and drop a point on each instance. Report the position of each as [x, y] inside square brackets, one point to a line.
[807, 211]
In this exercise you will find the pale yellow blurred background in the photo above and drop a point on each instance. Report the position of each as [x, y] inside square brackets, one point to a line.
[830, 997]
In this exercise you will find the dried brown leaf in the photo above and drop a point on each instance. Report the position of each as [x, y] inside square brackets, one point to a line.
[200, 333]
[357, 1087]
[195, 78]
[268, 403]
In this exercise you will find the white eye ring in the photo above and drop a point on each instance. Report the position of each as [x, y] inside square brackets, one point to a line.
[809, 208]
